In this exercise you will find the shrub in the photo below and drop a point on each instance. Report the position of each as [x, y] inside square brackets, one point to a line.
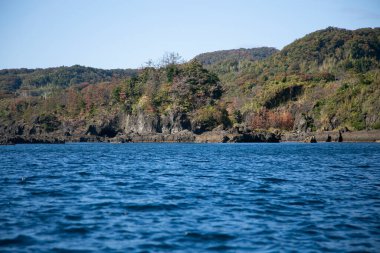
[210, 117]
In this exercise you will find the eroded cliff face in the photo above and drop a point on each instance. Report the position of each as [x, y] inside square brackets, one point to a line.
[143, 123]
[175, 122]
[142, 127]
[174, 126]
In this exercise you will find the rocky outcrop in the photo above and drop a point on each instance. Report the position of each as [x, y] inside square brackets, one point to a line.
[173, 126]
[287, 94]
[334, 136]
[170, 123]
[105, 128]
[182, 136]
[22, 139]
[227, 137]
[175, 122]
[303, 124]
[142, 123]
[310, 139]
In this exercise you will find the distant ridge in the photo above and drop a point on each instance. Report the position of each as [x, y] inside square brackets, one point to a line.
[252, 54]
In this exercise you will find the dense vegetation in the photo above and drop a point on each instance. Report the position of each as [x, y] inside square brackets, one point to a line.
[325, 81]
[235, 55]
[62, 77]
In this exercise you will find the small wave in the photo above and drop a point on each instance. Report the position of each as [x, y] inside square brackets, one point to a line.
[73, 217]
[153, 207]
[201, 161]
[261, 190]
[336, 166]
[221, 248]
[297, 203]
[44, 193]
[335, 237]
[24, 180]
[76, 230]
[238, 180]
[163, 246]
[210, 236]
[20, 240]
[274, 179]
[349, 227]
[310, 229]
[53, 176]
[362, 244]
[307, 202]
[64, 250]
[315, 202]
[84, 173]
[363, 166]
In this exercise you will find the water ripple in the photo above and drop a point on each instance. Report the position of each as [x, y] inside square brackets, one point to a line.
[190, 198]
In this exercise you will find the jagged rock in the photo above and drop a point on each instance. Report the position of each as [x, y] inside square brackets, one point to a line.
[340, 137]
[212, 137]
[21, 139]
[344, 130]
[142, 123]
[181, 122]
[218, 128]
[304, 124]
[224, 136]
[108, 127]
[92, 130]
[334, 122]
[174, 122]
[311, 139]
[49, 123]
[182, 136]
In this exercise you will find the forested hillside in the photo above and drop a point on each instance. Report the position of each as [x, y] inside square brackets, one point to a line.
[235, 55]
[327, 80]
[62, 77]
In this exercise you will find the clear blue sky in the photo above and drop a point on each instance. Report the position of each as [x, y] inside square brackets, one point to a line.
[127, 33]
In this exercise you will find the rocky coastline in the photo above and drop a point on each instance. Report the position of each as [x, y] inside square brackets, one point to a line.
[174, 127]
[183, 136]
[186, 136]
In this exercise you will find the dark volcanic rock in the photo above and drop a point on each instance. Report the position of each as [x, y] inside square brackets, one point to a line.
[224, 136]
[183, 136]
[340, 137]
[28, 139]
[174, 122]
[107, 127]
[311, 139]
[48, 122]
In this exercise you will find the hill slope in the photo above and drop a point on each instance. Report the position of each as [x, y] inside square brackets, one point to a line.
[327, 80]
[251, 54]
[63, 77]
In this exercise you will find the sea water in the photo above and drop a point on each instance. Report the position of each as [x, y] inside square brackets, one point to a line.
[322, 197]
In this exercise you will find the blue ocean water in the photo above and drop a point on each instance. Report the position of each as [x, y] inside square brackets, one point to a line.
[283, 197]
